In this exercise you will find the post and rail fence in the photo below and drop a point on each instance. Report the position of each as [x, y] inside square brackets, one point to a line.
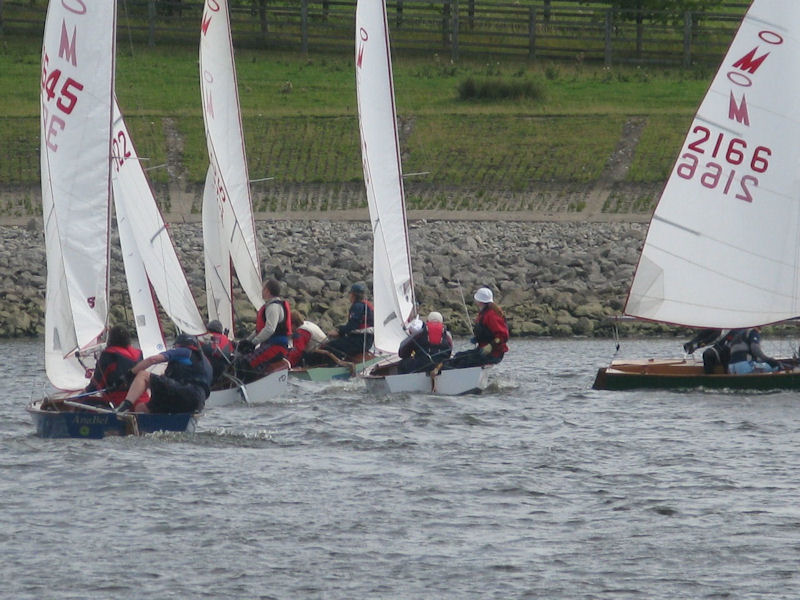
[579, 30]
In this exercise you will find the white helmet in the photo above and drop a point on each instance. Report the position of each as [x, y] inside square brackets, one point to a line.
[484, 295]
[435, 317]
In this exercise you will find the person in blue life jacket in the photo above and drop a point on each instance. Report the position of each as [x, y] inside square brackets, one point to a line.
[356, 336]
[428, 345]
[747, 355]
[184, 386]
[269, 344]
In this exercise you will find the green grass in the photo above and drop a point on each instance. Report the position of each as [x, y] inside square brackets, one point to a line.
[299, 116]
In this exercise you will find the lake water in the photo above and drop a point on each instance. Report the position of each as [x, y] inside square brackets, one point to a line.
[540, 488]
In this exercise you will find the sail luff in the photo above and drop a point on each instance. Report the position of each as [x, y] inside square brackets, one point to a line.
[722, 249]
[392, 277]
[76, 90]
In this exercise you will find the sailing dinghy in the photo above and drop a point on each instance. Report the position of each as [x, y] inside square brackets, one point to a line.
[723, 246]
[393, 285]
[82, 135]
[229, 234]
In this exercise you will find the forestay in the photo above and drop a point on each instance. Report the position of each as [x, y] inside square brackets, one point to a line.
[227, 181]
[147, 248]
[380, 151]
[723, 247]
[76, 90]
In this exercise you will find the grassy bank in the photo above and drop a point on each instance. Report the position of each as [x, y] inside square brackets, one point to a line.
[300, 120]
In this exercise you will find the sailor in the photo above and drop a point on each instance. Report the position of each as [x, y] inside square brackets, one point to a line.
[217, 347]
[112, 366]
[490, 334]
[184, 386]
[306, 337]
[271, 337]
[427, 345]
[747, 355]
[704, 337]
[356, 336]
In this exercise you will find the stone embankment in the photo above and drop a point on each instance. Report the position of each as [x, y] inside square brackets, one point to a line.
[551, 278]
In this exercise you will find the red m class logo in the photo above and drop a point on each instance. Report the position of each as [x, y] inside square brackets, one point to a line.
[741, 76]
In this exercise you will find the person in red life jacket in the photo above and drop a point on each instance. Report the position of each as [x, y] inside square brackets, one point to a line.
[491, 334]
[184, 386]
[271, 337]
[306, 337]
[217, 347]
[356, 336]
[112, 366]
[427, 345]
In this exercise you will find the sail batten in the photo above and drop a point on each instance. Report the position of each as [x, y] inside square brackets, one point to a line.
[722, 249]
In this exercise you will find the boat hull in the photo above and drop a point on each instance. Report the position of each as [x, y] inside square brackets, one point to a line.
[685, 374]
[332, 373]
[96, 425]
[269, 387]
[452, 382]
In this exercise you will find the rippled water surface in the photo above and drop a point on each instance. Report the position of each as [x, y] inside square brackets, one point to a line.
[539, 488]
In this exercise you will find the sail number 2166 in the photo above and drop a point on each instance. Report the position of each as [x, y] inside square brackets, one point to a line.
[731, 154]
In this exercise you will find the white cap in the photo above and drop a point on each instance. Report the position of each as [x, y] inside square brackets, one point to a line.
[435, 317]
[415, 327]
[484, 295]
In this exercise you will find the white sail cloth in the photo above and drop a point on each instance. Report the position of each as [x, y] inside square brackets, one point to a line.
[76, 90]
[723, 247]
[380, 151]
[226, 199]
[147, 249]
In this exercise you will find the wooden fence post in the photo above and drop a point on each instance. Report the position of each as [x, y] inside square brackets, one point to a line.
[151, 23]
[445, 23]
[399, 13]
[531, 32]
[304, 26]
[1, 17]
[454, 28]
[607, 59]
[262, 17]
[687, 39]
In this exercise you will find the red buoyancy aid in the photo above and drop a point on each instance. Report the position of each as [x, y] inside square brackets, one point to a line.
[435, 332]
[284, 327]
[126, 358]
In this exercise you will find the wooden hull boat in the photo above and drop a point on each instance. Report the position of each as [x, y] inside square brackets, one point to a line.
[57, 420]
[689, 374]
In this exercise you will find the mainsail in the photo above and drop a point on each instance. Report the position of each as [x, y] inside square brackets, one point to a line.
[723, 247]
[147, 249]
[393, 288]
[228, 225]
[76, 90]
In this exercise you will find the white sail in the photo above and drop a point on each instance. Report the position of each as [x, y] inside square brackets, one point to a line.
[219, 290]
[149, 244]
[393, 289]
[228, 181]
[76, 89]
[145, 312]
[723, 248]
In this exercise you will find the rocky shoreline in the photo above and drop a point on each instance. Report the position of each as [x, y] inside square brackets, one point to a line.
[555, 279]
